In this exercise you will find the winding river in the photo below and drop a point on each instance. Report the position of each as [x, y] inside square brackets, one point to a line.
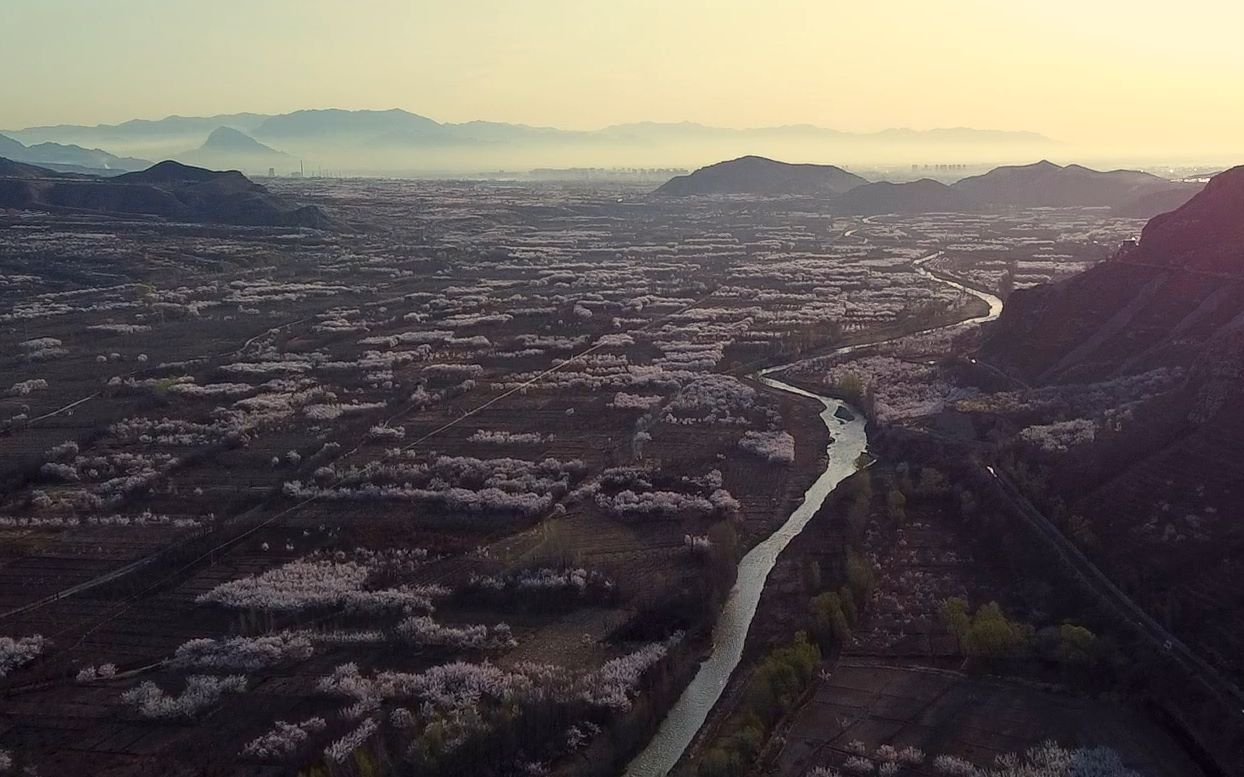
[848, 441]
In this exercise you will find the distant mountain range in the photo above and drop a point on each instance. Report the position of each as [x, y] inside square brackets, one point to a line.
[1043, 184]
[401, 125]
[169, 190]
[393, 138]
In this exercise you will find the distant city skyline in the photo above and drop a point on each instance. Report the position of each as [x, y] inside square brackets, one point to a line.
[1083, 73]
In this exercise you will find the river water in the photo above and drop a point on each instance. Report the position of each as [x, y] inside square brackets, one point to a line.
[848, 441]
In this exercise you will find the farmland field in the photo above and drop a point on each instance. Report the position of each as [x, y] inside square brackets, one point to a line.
[482, 461]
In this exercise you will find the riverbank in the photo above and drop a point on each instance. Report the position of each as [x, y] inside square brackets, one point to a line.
[729, 636]
[681, 728]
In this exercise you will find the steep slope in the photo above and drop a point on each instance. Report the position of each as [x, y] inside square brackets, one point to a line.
[923, 196]
[20, 183]
[1178, 288]
[10, 148]
[21, 170]
[169, 190]
[758, 175]
[1206, 234]
[1045, 184]
[1157, 492]
[1146, 206]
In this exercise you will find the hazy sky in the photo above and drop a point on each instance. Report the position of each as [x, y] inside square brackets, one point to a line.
[1077, 70]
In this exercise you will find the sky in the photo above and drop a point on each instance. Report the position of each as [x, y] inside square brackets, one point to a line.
[1080, 71]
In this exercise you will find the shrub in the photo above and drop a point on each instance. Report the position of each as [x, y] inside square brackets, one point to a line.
[201, 691]
[15, 653]
[284, 739]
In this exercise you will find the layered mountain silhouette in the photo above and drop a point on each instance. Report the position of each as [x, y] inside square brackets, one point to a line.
[333, 122]
[67, 158]
[390, 139]
[168, 190]
[758, 175]
[1046, 184]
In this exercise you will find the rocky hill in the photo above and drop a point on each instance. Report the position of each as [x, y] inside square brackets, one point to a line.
[758, 175]
[1154, 495]
[168, 190]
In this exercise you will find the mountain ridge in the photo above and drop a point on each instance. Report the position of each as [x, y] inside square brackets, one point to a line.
[395, 139]
[271, 124]
[66, 157]
[1127, 311]
[1041, 184]
[761, 175]
[168, 190]
[909, 197]
[1045, 184]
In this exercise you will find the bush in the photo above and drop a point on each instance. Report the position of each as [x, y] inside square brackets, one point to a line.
[992, 635]
[1078, 646]
[988, 633]
[772, 691]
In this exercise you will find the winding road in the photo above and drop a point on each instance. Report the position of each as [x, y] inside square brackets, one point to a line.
[1162, 640]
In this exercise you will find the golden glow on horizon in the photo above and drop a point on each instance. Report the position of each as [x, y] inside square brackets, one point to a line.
[1103, 72]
